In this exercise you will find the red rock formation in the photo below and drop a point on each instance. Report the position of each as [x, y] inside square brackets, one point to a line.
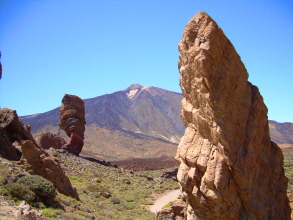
[72, 121]
[46, 166]
[229, 168]
[12, 132]
[46, 140]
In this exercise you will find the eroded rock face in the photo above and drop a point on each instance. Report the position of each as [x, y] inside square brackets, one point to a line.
[46, 166]
[72, 121]
[46, 140]
[229, 168]
[12, 132]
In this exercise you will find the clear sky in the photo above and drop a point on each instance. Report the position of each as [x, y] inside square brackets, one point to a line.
[93, 47]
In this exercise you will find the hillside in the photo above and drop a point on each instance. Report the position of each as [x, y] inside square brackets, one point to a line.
[282, 134]
[136, 122]
[105, 192]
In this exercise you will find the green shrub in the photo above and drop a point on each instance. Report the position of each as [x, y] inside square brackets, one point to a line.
[43, 189]
[51, 213]
[2, 181]
[126, 181]
[115, 200]
[97, 188]
[4, 191]
[55, 154]
[21, 192]
[169, 204]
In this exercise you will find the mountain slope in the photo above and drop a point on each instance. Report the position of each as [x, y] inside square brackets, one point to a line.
[281, 133]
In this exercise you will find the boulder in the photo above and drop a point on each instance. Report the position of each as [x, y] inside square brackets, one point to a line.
[229, 167]
[170, 174]
[175, 212]
[12, 132]
[46, 140]
[25, 211]
[72, 121]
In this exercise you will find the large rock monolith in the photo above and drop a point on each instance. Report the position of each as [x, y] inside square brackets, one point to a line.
[229, 167]
[72, 121]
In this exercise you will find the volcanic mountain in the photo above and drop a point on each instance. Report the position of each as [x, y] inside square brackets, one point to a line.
[136, 122]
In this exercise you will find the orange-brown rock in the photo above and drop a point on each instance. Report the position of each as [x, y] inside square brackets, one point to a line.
[229, 167]
[46, 140]
[46, 166]
[175, 212]
[72, 121]
[12, 132]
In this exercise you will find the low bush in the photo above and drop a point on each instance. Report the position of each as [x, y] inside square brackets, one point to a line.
[21, 192]
[2, 180]
[43, 189]
[51, 213]
[97, 188]
[115, 200]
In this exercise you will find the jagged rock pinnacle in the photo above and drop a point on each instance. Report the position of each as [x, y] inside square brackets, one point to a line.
[229, 168]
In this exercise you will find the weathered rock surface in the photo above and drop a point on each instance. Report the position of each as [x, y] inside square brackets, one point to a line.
[46, 140]
[72, 121]
[46, 166]
[229, 167]
[175, 212]
[25, 211]
[12, 132]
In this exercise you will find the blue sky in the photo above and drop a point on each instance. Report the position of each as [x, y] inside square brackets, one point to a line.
[93, 47]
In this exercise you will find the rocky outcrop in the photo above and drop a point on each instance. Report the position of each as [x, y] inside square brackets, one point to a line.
[46, 140]
[229, 168]
[175, 212]
[170, 174]
[47, 166]
[72, 121]
[25, 211]
[17, 143]
[12, 132]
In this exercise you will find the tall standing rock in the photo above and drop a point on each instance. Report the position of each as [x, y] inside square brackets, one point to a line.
[72, 121]
[229, 167]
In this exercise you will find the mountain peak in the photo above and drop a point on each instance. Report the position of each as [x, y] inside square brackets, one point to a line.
[133, 90]
[133, 87]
